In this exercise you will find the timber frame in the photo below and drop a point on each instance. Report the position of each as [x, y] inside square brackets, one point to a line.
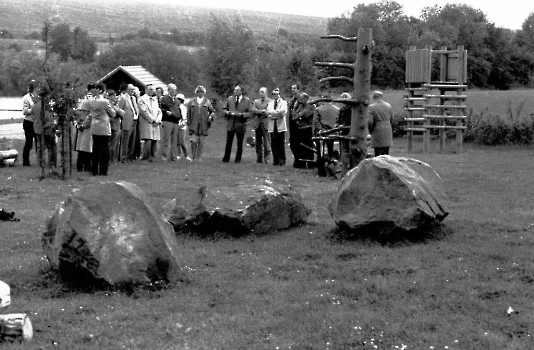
[436, 105]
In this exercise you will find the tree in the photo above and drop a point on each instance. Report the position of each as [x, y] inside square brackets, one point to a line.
[83, 47]
[75, 44]
[164, 60]
[59, 38]
[230, 54]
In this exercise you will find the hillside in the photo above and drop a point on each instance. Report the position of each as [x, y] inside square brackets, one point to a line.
[104, 18]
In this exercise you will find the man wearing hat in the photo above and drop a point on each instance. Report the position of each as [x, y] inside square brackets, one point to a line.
[171, 116]
[379, 123]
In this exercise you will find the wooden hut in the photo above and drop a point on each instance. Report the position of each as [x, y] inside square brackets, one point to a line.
[136, 75]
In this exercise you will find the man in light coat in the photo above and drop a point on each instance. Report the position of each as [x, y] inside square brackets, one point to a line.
[149, 122]
[276, 126]
[260, 125]
[101, 112]
[379, 123]
[128, 104]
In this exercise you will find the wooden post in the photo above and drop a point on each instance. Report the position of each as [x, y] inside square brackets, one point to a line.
[362, 83]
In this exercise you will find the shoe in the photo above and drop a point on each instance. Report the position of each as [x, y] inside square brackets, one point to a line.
[225, 161]
[267, 161]
[188, 159]
[237, 161]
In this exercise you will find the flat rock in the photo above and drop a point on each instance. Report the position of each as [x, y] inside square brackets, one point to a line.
[110, 233]
[239, 209]
[385, 194]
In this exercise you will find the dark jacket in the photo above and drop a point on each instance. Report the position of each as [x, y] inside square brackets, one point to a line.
[236, 120]
[305, 116]
[169, 104]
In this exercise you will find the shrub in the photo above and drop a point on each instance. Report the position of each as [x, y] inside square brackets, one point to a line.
[492, 130]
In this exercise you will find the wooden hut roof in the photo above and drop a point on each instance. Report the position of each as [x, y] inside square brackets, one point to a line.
[136, 75]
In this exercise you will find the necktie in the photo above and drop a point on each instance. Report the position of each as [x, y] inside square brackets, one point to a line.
[237, 101]
[275, 122]
[133, 107]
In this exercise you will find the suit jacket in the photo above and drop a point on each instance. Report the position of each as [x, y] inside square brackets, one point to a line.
[278, 115]
[131, 112]
[149, 118]
[101, 111]
[169, 104]
[259, 109]
[325, 117]
[116, 121]
[236, 120]
[304, 115]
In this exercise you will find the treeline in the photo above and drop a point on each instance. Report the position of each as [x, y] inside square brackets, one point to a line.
[229, 52]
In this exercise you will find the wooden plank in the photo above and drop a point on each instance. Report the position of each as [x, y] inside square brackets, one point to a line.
[447, 96]
[453, 127]
[450, 117]
[445, 106]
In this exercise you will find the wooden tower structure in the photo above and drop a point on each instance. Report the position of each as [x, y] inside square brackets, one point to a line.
[436, 104]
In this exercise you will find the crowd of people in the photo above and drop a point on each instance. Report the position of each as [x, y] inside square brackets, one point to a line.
[126, 126]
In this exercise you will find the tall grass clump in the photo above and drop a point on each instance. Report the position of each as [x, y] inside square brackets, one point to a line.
[515, 128]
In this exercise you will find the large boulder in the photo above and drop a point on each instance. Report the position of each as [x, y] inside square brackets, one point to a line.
[386, 194]
[237, 210]
[109, 233]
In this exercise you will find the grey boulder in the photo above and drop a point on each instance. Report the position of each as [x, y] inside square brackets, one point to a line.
[239, 209]
[386, 194]
[108, 233]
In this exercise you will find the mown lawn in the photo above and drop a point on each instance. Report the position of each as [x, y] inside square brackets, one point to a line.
[304, 288]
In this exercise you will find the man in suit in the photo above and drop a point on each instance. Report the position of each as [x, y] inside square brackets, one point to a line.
[324, 119]
[115, 125]
[149, 122]
[171, 116]
[260, 124]
[128, 104]
[276, 125]
[238, 109]
[304, 131]
[101, 112]
[293, 128]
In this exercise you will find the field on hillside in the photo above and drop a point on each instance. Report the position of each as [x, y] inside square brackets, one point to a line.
[104, 18]
[466, 285]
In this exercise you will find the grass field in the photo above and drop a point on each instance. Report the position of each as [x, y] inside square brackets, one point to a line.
[303, 288]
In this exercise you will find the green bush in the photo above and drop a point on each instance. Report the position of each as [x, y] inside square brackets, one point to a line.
[492, 130]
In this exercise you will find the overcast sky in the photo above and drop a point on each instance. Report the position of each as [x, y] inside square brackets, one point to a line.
[507, 14]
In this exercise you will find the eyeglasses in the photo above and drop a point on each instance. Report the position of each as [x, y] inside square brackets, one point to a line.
[276, 94]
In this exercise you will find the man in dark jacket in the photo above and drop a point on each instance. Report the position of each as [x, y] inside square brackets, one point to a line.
[238, 109]
[171, 116]
[304, 132]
